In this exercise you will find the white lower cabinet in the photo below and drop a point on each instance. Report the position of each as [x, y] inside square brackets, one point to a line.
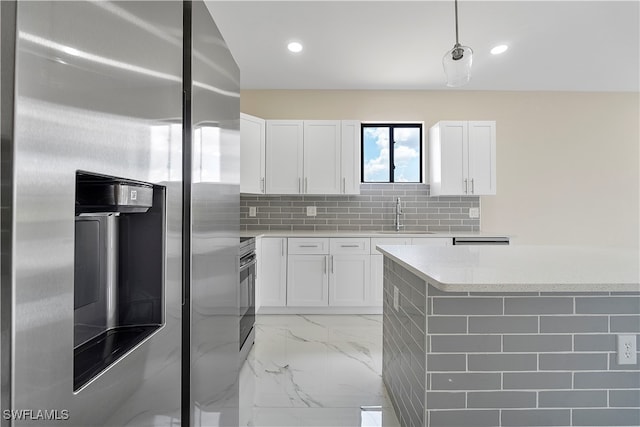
[377, 265]
[272, 272]
[377, 270]
[350, 278]
[307, 281]
[327, 274]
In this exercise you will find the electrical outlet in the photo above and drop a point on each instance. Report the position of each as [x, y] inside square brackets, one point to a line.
[474, 213]
[311, 211]
[627, 350]
[252, 211]
[396, 298]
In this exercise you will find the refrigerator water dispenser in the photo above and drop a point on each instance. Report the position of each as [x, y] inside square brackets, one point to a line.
[119, 269]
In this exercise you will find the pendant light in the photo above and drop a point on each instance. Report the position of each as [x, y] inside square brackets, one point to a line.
[457, 61]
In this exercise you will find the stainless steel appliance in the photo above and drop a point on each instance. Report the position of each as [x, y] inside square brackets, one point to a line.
[119, 215]
[480, 240]
[247, 294]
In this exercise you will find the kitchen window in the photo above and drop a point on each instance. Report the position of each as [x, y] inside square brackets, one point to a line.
[391, 152]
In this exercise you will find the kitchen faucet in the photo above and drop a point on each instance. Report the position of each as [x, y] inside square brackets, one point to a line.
[398, 213]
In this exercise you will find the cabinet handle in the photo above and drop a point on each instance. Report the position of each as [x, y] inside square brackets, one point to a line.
[344, 185]
[331, 264]
[466, 186]
[308, 246]
[349, 246]
[282, 247]
[473, 187]
[306, 184]
[324, 265]
[299, 185]
[262, 184]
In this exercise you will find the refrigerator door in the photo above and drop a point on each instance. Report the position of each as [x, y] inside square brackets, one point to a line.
[215, 214]
[98, 88]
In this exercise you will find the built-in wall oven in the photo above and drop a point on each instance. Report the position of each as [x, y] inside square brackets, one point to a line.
[247, 294]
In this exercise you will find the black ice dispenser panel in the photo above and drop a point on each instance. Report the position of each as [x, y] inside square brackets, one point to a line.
[119, 271]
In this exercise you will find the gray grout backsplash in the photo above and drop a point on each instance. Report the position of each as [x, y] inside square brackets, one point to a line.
[504, 359]
[372, 210]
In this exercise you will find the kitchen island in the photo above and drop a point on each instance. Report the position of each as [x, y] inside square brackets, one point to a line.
[510, 335]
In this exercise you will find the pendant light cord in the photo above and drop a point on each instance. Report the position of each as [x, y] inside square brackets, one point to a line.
[456, 9]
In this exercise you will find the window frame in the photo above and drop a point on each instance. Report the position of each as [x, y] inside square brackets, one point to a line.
[392, 126]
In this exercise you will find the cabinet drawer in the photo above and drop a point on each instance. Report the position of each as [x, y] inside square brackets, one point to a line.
[375, 241]
[310, 245]
[352, 245]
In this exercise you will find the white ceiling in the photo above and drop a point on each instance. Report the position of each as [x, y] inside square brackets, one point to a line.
[553, 45]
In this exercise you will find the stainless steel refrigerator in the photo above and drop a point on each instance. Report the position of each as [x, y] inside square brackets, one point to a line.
[119, 215]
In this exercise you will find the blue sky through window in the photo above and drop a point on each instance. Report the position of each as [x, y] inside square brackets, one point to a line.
[376, 163]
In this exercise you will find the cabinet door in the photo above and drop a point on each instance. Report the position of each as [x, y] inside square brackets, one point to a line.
[350, 280]
[284, 164]
[272, 271]
[377, 267]
[252, 154]
[454, 161]
[322, 157]
[307, 281]
[350, 158]
[482, 158]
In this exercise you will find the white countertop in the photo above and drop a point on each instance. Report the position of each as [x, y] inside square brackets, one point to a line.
[521, 268]
[376, 234]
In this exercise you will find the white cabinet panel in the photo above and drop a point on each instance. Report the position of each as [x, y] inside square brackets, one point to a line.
[350, 245]
[307, 281]
[322, 146]
[308, 157]
[284, 164]
[377, 270]
[252, 154]
[350, 280]
[482, 157]
[351, 135]
[272, 271]
[462, 158]
[308, 245]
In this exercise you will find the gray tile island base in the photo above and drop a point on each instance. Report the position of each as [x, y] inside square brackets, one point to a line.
[507, 358]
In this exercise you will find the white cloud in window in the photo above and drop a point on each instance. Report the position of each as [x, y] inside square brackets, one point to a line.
[377, 168]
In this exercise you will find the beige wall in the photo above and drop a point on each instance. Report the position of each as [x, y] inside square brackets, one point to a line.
[567, 163]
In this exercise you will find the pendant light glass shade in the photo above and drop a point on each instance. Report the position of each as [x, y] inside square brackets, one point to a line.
[457, 61]
[457, 65]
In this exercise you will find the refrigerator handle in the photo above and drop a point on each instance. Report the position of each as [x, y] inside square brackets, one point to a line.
[185, 243]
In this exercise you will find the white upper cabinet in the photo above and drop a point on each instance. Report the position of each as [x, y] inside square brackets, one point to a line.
[322, 146]
[312, 157]
[284, 157]
[482, 157]
[252, 154]
[462, 158]
[350, 157]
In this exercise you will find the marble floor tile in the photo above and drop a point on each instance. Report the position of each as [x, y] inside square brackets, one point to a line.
[315, 370]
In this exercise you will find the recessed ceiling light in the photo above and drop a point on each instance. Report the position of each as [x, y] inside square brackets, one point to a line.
[499, 49]
[295, 47]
